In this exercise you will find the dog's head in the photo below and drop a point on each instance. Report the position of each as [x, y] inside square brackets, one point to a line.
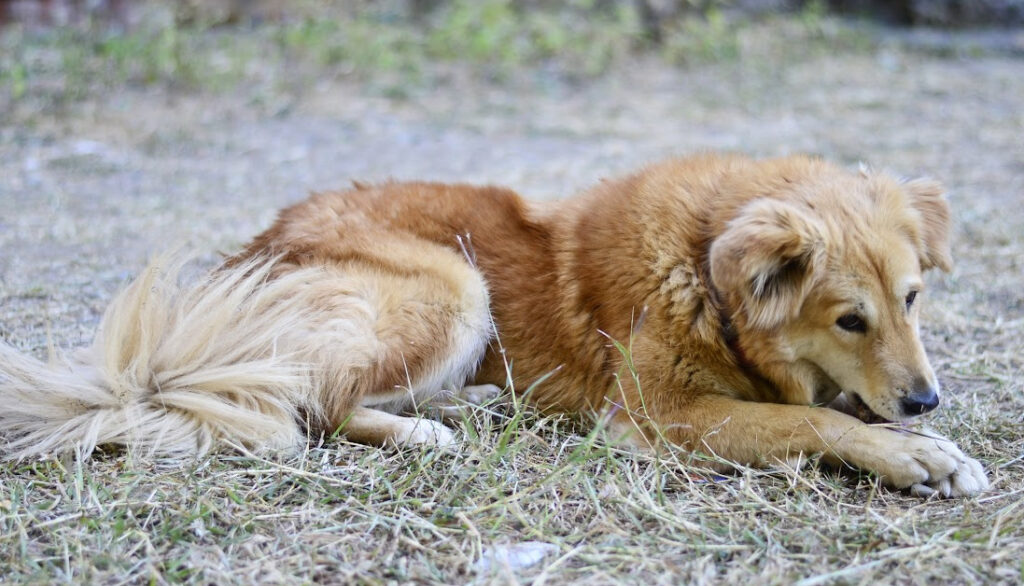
[823, 279]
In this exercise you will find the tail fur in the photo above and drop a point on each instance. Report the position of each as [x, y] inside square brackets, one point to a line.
[171, 370]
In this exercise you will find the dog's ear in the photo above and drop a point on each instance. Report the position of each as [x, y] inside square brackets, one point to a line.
[927, 198]
[765, 261]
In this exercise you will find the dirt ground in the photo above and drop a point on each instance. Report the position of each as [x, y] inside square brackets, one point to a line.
[89, 191]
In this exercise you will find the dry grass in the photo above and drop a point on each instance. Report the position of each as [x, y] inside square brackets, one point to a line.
[89, 190]
[350, 514]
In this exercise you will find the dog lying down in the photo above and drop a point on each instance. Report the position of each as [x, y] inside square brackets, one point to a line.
[753, 295]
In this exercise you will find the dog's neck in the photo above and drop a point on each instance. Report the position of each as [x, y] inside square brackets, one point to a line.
[730, 334]
[732, 341]
[790, 389]
[726, 327]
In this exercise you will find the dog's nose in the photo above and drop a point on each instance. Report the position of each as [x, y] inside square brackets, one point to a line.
[922, 399]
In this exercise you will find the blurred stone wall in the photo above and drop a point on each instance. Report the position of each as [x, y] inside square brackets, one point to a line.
[944, 13]
[940, 13]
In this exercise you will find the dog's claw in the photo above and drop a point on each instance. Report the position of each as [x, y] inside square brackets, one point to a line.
[921, 490]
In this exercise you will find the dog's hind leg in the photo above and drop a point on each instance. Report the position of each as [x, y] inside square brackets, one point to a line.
[396, 332]
[379, 428]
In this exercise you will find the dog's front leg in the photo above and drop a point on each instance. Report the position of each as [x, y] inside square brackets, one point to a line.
[758, 433]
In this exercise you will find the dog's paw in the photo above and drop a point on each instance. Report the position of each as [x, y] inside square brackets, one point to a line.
[479, 394]
[925, 464]
[452, 408]
[967, 480]
[419, 432]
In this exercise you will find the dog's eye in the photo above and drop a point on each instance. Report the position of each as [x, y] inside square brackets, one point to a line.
[910, 298]
[852, 322]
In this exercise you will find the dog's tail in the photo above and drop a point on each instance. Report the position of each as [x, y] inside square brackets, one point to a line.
[171, 370]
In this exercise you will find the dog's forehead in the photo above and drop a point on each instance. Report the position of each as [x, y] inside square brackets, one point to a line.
[868, 243]
[877, 257]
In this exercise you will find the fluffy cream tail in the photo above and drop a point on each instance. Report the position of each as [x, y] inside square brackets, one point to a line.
[171, 370]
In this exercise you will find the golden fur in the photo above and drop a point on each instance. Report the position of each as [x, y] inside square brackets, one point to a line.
[759, 300]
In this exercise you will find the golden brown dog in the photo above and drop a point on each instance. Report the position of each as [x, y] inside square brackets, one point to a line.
[751, 294]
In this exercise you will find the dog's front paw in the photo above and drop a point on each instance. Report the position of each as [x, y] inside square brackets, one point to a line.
[967, 480]
[925, 464]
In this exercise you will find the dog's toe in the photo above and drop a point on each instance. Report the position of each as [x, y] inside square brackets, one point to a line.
[969, 479]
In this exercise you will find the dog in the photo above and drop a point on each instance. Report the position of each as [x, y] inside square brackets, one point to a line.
[757, 310]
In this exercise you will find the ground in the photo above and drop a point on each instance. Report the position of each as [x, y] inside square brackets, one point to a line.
[94, 184]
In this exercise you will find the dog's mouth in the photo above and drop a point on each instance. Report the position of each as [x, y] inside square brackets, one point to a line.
[863, 412]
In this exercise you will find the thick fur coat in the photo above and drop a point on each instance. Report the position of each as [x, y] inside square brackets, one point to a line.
[769, 310]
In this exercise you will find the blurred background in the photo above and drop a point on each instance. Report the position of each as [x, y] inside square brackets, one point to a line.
[129, 127]
[225, 44]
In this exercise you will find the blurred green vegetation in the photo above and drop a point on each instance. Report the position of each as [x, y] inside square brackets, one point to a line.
[209, 46]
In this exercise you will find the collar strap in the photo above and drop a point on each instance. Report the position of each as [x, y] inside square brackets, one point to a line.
[725, 324]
